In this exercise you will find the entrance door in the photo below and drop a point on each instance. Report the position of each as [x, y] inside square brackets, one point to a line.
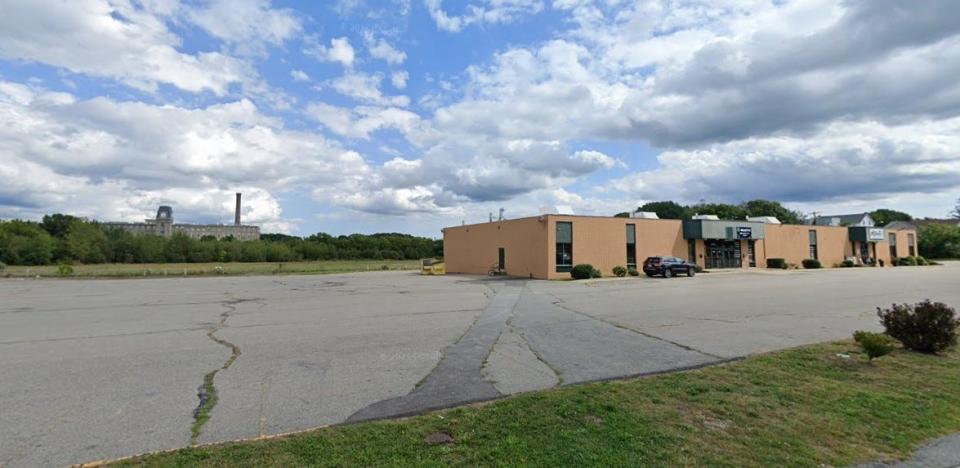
[752, 253]
[731, 254]
[723, 254]
[892, 240]
[503, 259]
[864, 252]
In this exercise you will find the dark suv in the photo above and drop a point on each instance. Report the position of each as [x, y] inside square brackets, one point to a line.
[668, 266]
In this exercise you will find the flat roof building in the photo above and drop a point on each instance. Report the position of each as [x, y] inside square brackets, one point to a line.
[163, 225]
[547, 246]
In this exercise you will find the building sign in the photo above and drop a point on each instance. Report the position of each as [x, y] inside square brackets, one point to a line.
[746, 232]
[875, 234]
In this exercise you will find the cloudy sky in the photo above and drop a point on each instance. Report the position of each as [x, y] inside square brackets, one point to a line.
[410, 115]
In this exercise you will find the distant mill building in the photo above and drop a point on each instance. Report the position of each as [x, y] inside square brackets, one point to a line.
[163, 225]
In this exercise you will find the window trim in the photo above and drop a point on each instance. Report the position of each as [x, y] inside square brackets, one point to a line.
[812, 240]
[631, 246]
[563, 267]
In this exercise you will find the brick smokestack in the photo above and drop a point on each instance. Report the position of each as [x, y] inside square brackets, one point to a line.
[236, 215]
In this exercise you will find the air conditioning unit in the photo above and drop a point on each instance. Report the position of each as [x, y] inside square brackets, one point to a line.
[764, 219]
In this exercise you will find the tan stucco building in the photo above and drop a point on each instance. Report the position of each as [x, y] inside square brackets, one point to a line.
[547, 246]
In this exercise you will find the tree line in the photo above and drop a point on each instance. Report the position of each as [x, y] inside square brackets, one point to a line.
[63, 238]
[673, 210]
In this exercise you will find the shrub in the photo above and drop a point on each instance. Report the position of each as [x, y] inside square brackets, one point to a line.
[777, 263]
[3, 266]
[811, 263]
[906, 261]
[921, 261]
[384, 267]
[64, 269]
[874, 344]
[927, 327]
[633, 272]
[582, 271]
[847, 264]
[596, 273]
[619, 271]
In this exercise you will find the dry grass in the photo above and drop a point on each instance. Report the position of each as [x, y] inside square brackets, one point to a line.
[127, 270]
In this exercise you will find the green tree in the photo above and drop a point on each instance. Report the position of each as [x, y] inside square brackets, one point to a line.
[25, 243]
[177, 248]
[622, 214]
[721, 210]
[87, 242]
[886, 216]
[666, 209]
[772, 208]
[58, 224]
[939, 241]
[956, 210]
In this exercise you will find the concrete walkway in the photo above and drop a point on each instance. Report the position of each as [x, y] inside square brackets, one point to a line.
[941, 453]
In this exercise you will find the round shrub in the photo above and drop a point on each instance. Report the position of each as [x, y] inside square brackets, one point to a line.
[582, 271]
[811, 263]
[777, 263]
[619, 271]
[921, 261]
[927, 327]
[64, 269]
[633, 272]
[874, 344]
[906, 261]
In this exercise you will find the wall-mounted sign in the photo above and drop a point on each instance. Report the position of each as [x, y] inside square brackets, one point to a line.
[875, 234]
[746, 233]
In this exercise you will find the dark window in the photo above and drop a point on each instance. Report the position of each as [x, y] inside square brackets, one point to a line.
[892, 240]
[564, 246]
[692, 250]
[911, 245]
[502, 263]
[751, 253]
[631, 246]
[813, 244]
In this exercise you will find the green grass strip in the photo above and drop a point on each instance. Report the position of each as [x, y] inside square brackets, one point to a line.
[800, 407]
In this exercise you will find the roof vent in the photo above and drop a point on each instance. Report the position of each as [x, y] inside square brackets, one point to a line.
[706, 217]
[644, 215]
[764, 219]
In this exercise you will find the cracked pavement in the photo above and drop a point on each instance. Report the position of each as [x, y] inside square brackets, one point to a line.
[99, 369]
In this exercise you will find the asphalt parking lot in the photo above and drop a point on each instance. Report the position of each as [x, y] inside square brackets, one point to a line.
[98, 369]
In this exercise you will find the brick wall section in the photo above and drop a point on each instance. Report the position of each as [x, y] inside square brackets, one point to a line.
[474, 248]
[602, 241]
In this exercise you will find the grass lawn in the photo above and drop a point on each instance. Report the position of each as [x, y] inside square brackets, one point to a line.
[801, 407]
[121, 270]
